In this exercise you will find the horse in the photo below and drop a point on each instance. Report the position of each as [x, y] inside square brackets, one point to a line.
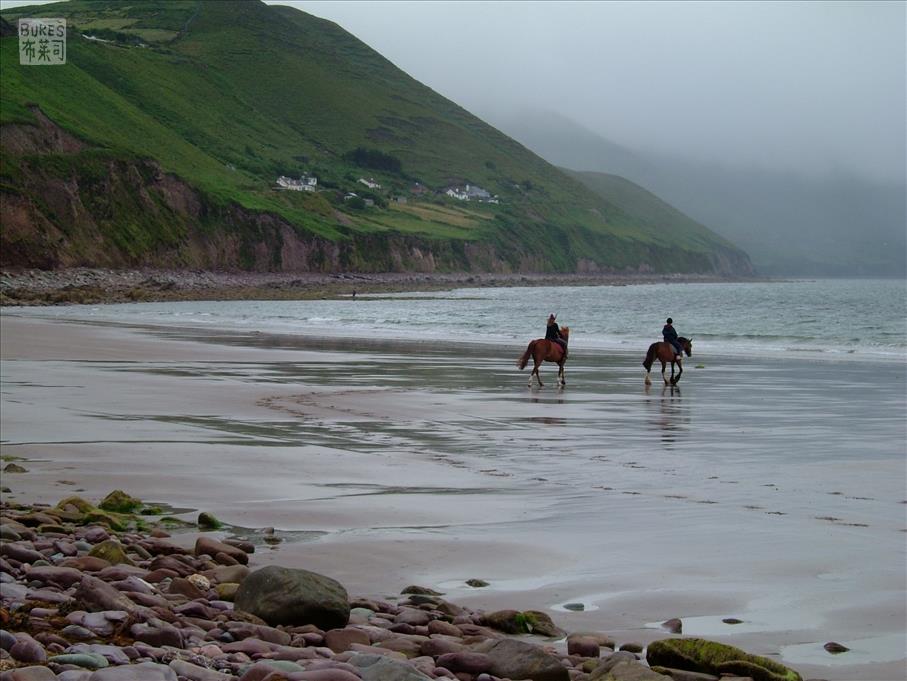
[542, 350]
[665, 352]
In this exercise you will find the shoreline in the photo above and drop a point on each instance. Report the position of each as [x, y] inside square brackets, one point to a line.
[97, 285]
[157, 416]
[117, 585]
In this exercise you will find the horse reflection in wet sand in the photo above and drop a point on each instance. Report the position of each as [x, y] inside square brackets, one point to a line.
[542, 350]
[664, 352]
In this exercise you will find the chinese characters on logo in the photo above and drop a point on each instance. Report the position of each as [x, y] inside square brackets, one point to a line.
[42, 41]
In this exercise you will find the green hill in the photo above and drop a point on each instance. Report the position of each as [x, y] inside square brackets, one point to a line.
[159, 143]
[649, 211]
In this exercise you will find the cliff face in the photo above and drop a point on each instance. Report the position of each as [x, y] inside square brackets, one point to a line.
[69, 205]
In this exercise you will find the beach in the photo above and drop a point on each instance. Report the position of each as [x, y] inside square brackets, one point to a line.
[765, 489]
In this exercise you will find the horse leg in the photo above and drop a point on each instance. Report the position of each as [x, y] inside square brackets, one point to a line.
[562, 376]
[648, 380]
[679, 371]
[663, 377]
[535, 372]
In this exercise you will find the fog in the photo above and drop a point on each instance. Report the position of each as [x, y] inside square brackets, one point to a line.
[812, 87]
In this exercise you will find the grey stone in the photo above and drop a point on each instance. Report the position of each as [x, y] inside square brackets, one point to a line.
[380, 668]
[281, 595]
[146, 671]
[95, 594]
[193, 672]
[630, 671]
[519, 660]
[29, 674]
[86, 660]
[27, 649]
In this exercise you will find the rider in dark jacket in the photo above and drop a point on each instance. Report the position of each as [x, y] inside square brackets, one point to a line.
[670, 336]
[553, 332]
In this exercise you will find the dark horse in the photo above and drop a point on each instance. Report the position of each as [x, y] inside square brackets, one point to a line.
[541, 350]
[664, 352]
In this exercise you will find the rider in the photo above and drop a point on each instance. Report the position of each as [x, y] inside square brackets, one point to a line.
[670, 336]
[553, 333]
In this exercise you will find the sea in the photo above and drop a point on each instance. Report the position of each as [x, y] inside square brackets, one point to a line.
[833, 318]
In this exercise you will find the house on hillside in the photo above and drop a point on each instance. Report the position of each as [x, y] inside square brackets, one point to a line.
[370, 183]
[471, 192]
[306, 183]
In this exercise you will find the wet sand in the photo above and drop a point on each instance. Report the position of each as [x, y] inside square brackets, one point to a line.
[770, 490]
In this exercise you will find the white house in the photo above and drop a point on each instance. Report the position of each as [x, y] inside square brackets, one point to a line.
[471, 193]
[370, 183]
[306, 183]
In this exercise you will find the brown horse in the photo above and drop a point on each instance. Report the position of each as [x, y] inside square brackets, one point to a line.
[664, 352]
[542, 350]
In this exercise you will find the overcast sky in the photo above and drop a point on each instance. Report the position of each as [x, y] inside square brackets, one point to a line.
[809, 86]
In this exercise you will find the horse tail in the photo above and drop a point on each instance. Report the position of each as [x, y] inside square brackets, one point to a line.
[524, 360]
[650, 357]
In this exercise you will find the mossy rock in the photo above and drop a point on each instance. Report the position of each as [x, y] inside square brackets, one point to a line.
[14, 468]
[114, 521]
[226, 591]
[709, 657]
[172, 522]
[120, 502]
[111, 551]
[540, 624]
[207, 521]
[421, 590]
[75, 505]
[75, 509]
[527, 622]
[508, 621]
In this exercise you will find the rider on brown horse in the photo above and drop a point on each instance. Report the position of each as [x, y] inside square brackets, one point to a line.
[553, 333]
[670, 336]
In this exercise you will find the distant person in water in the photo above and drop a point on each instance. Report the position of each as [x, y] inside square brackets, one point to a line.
[553, 333]
[670, 336]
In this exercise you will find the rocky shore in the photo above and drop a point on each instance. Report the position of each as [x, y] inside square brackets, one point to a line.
[118, 591]
[91, 286]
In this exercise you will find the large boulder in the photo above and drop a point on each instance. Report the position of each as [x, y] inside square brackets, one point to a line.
[625, 670]
[120, 502]
[112, 551]
[700, 655]
[294, 597]
[527, 622]
[519, 660]
[379, 668]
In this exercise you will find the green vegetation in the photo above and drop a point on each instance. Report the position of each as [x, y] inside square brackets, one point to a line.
[709, 657]
[226, 96]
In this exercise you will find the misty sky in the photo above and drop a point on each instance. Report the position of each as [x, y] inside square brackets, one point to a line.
[815, 87]
[809, 86]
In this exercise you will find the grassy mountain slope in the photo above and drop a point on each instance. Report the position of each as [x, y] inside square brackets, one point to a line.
[647, 208]
[183, 113]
